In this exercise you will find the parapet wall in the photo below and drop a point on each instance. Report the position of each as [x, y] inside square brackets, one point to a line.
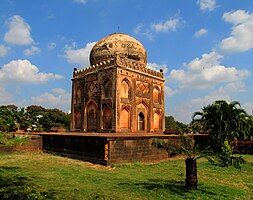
[120, 62]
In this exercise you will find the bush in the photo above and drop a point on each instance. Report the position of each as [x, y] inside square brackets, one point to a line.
[226, 157]
[11, 140]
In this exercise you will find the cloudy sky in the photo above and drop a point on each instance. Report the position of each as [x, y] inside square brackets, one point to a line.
[204, 46]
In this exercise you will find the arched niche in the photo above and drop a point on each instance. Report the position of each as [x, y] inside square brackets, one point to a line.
[107, 88]
[78, 122]
[92, 116]
[78, 96]
[156, 95]
[107, 118]
[156, 122]
[125, 119]
[125, 89]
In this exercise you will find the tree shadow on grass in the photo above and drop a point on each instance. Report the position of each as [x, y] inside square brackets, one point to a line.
[13, 185]
[172, 186]
[9, 176]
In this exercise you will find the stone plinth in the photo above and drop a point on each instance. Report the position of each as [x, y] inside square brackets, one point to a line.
[107, 148]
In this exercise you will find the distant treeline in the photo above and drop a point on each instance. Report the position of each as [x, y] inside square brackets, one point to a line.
[32, 118]
[173, 125]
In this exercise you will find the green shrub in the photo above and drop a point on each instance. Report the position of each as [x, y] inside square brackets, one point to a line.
[226, 157]
[11, 140]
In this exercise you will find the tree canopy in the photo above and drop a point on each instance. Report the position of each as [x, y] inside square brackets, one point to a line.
[172, 124]
[223, 121]
[32, 117]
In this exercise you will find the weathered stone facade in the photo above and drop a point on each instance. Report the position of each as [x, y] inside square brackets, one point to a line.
[118, 92]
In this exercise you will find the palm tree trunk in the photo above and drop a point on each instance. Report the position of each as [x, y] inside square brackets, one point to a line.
[191, 180]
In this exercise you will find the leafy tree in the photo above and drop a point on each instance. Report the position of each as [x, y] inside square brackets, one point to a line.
[21, 119]
[12, 118]
[55, 118]
[34, 114]
[7, 115]
[223, 121]
[172, 124]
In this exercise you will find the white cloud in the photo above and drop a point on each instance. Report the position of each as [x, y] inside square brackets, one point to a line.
[79, 56]
[241, 37]
[32, 50]
[58, 91]
[206, 72]
[140, 29]
[222, 93]
[51, 45]
[157, 67]
[19, 31]
[248, 107]
[206, 61]
[5, 97]
[169, 91]
[3, 50]
[23, 71]
[206, 5]
[171, 24]
[80, 1]
[184, 111]
[57, 98]
[200, 33]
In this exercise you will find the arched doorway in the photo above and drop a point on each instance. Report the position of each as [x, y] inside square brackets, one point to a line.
[107, 119]
[91, 110]
[141, 122]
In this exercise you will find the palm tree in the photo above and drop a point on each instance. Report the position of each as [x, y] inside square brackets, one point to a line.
[223, 121]
[20, 118]
[188, 148]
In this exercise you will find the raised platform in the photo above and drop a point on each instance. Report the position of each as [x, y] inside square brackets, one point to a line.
[107, 148]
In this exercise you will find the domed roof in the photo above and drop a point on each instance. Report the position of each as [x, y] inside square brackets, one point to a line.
[118, 44]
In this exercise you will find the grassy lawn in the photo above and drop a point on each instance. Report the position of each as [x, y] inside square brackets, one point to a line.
[63, 178]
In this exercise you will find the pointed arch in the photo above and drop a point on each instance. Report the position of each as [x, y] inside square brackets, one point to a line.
[125, 119]
[141, 121]
[78, 94]
[156, 122]
[78, 121]
[142, 110]
[142, 105]
[125, 88]
[156, 94]
[92, 115]
[107, 118]
[107, 88]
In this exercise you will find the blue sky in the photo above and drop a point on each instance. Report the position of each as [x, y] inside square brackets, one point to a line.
[205, 47]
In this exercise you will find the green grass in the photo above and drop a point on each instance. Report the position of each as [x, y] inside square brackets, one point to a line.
[62, 178]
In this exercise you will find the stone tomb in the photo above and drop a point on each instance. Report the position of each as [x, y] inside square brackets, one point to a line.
[118, 93]
[117, 107]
